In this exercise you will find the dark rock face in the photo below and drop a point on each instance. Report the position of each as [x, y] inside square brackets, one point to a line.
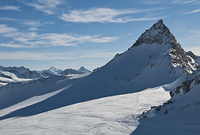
[180, 58]
[184, 88]
[187, 85]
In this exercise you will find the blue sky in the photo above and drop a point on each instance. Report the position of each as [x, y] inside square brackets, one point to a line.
[39, 34]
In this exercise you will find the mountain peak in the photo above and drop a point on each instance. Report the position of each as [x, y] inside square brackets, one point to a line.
[157, 34]
[83, 70]
[52, 68]
[160, 35]
[159, 24]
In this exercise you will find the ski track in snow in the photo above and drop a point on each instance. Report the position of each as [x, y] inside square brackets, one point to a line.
[114, 115]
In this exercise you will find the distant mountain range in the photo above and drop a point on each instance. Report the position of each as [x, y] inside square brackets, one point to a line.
[17, 74]
[55, 71]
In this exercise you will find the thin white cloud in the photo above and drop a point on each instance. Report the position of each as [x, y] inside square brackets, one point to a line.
[33, 39]
[5, 29]
[192, 12]
[183, 1]
[32, 23]
[194, 35]
[55, 56]
[31, 56]
[15, 8]
[13, 45]
[104, 15]
[7, 19]
[195, 31]
[98, 55]
[151, 2]
[65, 39]
[47, 6]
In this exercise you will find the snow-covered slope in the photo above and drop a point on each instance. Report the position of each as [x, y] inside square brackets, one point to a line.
[115, 115]
[17, 92]
[180, 115]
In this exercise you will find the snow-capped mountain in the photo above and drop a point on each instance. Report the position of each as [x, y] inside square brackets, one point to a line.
[137, 77]
[55, 71]
[161, 35]
[155, 53]
[70, 71]
[51, 71]
[83, 70]
[21, 72]
[16, 74]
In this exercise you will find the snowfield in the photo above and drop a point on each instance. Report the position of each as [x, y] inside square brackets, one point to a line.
[115, 115]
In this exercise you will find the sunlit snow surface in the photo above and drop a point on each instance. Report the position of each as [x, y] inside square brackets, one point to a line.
[114, 115]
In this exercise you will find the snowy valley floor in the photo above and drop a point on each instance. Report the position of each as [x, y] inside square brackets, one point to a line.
[114, 115]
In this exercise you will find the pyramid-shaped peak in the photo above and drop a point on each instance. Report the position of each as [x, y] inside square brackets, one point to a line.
[159, 23]
[159, 26]
[157, 34]
[52, 67]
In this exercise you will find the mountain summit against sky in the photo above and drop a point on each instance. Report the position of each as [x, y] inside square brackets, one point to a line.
[160, 34]
[157, 34]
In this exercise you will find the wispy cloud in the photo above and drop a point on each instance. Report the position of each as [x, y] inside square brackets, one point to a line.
[192, 12]
[104, 15]
[47, 6]
[183, 1]
[151, 2]
[7, 19]
[19, 55]
[33, 39]
[13, 45]
[65, 39]
[97, 54]
[15, 8]
[33, 56]
[32, 23]
[195, 31]
[5, 29]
